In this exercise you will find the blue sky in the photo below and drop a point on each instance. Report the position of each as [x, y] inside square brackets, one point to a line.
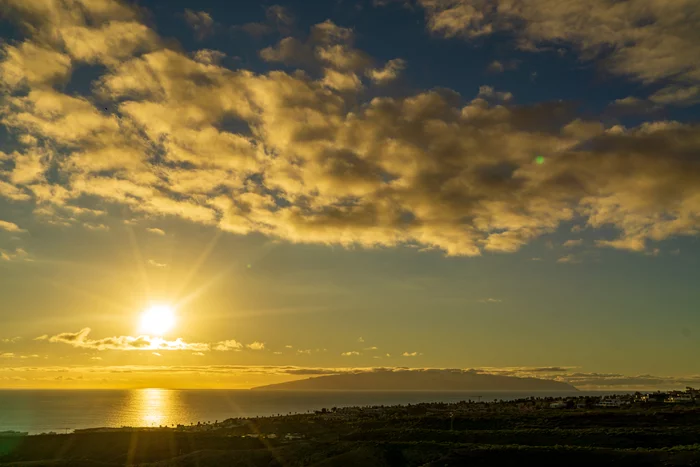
[346, 185]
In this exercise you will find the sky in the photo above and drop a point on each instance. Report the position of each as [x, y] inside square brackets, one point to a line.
[315, 187]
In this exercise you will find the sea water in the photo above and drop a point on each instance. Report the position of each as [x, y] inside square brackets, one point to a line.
[40, 411]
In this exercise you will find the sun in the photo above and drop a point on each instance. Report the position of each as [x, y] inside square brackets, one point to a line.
[157, 319]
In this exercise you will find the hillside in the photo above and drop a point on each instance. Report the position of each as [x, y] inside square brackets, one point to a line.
[421, 380]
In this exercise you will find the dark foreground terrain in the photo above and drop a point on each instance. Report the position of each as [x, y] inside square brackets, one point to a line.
[526, 432]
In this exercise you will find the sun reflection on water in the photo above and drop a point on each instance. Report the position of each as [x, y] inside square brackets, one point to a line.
[153, 406]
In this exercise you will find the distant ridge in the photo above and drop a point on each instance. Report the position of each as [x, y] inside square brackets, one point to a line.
[421, 380]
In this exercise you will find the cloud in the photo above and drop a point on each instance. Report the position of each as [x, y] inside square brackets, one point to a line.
[360, 339]
[409, 354]
[498, 66]
[304, 352]
[228, 345]
[81, 340]
[277, 18]
[155, 231]
[12, 355]
[388, 73]
[156, 264]
[647, 40]
[372, 348]
[490, 300]
[209, 57]
[201, 23]
[581, 380]
[568, 259]
[312, 161]
[10, 340]
[256, 346]
[351, 353]
[10, 227]
[19, 254]
[573, 243]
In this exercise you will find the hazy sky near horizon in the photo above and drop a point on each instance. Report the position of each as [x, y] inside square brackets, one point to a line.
[320, 186]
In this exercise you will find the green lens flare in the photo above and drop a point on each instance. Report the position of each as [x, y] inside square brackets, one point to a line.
[539, 160]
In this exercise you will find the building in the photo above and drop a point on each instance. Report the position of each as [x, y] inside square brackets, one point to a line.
[609, 403]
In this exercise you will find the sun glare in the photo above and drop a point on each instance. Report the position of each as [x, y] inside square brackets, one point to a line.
[157, 320]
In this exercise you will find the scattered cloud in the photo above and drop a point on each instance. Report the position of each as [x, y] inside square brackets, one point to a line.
[490, 300]
[155, 231]
[256, 346]
[573, 243]
[360, 340]
[432, 169]
[410, 354]
[351, 353]
[652, 42]
[305, 352]
[96, 227]
[19, 254]
[372, 348]
[81, 340]
[13, 355]
[10, 340]
[568, 259]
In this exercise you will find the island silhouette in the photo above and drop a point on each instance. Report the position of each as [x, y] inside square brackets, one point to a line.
[420, 380]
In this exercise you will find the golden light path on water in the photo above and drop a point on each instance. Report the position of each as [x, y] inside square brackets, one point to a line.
[154, 407]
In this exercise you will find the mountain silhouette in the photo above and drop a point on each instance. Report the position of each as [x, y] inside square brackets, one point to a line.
[421, 380]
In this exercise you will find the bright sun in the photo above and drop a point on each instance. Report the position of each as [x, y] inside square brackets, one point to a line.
[158, 319]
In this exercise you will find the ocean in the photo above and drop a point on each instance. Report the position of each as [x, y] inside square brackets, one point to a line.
[42, 411]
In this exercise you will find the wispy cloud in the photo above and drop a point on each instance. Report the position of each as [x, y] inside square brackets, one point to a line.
[351, 353]
[571, 259]
[156, 264]
[19, 254]
[573, 243]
